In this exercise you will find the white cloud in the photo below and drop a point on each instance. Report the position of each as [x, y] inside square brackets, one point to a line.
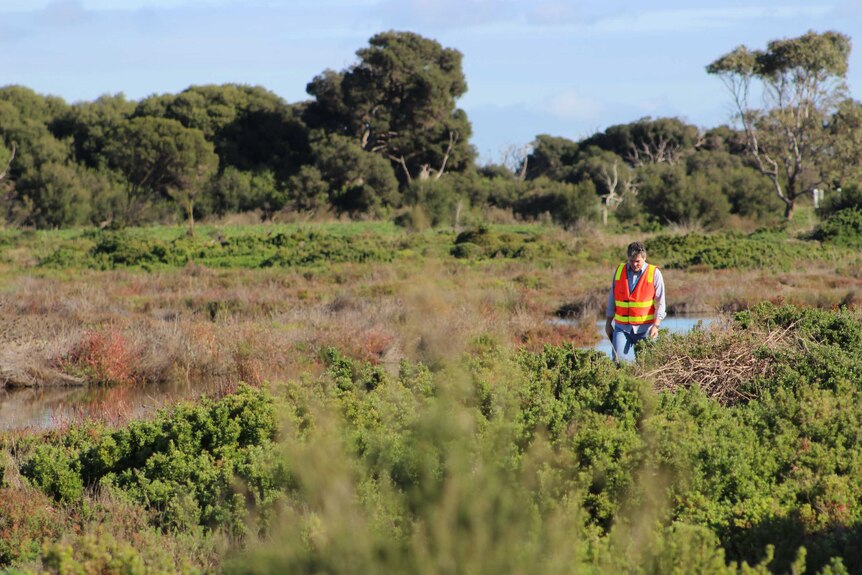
[571, 106]
[707, 18]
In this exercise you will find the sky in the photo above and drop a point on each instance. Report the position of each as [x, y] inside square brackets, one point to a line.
[565, 68]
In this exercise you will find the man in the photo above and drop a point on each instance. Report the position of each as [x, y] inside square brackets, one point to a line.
[636, 303]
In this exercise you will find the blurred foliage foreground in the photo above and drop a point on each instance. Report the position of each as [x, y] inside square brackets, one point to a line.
[550, 462]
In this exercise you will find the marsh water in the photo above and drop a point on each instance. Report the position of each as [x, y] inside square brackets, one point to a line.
[41, 408]
[674, 324]
[51, 407]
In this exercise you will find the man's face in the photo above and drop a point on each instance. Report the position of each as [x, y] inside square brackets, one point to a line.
[636, 262]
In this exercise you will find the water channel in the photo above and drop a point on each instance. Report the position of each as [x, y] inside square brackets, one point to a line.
[674, 324]
[42, 408]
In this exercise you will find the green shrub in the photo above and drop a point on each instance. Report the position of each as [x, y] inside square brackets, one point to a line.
[120, 249]
[128, 249]
[780, 469]
[482, 243]
[847, 199]
[184, 464]
[565, 203]
[586, 406]
[56, 472]
[842, 228]
[730, 251]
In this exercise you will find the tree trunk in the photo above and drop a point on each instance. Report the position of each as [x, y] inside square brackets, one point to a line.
[190, 209]
[788, 209]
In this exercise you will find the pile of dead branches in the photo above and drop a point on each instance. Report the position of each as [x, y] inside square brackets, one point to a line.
[723, 360]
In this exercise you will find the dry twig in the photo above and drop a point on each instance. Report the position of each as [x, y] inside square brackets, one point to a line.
[727, 369]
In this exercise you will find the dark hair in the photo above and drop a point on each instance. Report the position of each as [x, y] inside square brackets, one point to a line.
[636, 248]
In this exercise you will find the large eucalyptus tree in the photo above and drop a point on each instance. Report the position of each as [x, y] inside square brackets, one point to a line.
[160, 158]
[399, 100]
[801, 82]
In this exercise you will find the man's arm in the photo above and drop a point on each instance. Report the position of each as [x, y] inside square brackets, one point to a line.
[660, 307]
[610, 310]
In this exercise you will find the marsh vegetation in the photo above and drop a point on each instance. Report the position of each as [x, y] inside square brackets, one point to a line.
[359, 398]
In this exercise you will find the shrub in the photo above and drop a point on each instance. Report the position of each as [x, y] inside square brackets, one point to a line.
[729, 251]
[847, 199]
[92, 555]
[120, 249]
[670, 195]
[584, 405]
[482, 243]
[123, 249]
[566, 203]
[183, 464]
[55, 471]
[26, 520]
[102, 357]
[842, 228]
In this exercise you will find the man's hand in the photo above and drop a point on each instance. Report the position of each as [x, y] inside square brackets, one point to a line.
[653, 330]
[609, 329]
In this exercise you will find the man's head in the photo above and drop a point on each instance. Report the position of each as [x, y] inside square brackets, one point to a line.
[637, 256]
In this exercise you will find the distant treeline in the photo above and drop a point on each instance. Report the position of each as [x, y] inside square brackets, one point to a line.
[384, 138]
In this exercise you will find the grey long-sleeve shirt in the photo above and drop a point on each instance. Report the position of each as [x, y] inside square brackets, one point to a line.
[660, 308]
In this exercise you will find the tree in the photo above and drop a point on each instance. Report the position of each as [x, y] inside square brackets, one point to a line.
[802, 83]
[56, 195]
[743, 186]
[399, 101]
[648, 141]
[308, 191]
[566, 203]
[845, 129]
[160, 158]
[669, 195]
[24, 119]
[195, 167]
[612, 177]
[6, 159]
[251, 128]
[91, 126]
[551, 157]
[359, 182]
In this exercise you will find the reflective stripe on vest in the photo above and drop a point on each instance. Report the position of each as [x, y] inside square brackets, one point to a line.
[636, 306]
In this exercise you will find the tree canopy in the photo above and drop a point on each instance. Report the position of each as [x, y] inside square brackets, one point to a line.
[399, 100]
[385, 137]
[159, 157]
[802, 82]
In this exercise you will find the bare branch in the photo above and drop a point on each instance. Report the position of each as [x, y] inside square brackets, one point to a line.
[453, 139]
[9, 163]
[403, 163]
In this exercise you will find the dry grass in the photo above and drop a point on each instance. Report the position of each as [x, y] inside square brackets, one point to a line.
[205, 329]
[721, 360]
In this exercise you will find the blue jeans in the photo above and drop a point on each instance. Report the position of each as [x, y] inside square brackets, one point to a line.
[624, 344]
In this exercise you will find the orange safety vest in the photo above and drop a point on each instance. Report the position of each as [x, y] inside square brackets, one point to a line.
[634, 307]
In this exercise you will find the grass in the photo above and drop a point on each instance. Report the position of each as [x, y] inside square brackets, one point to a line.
[210, 323]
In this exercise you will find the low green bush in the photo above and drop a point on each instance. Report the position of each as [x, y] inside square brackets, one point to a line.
[483, 243]
[184, 464]
[56, 471]
[842, 228]
[554, 461]
[767, 250]
[124, 249]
